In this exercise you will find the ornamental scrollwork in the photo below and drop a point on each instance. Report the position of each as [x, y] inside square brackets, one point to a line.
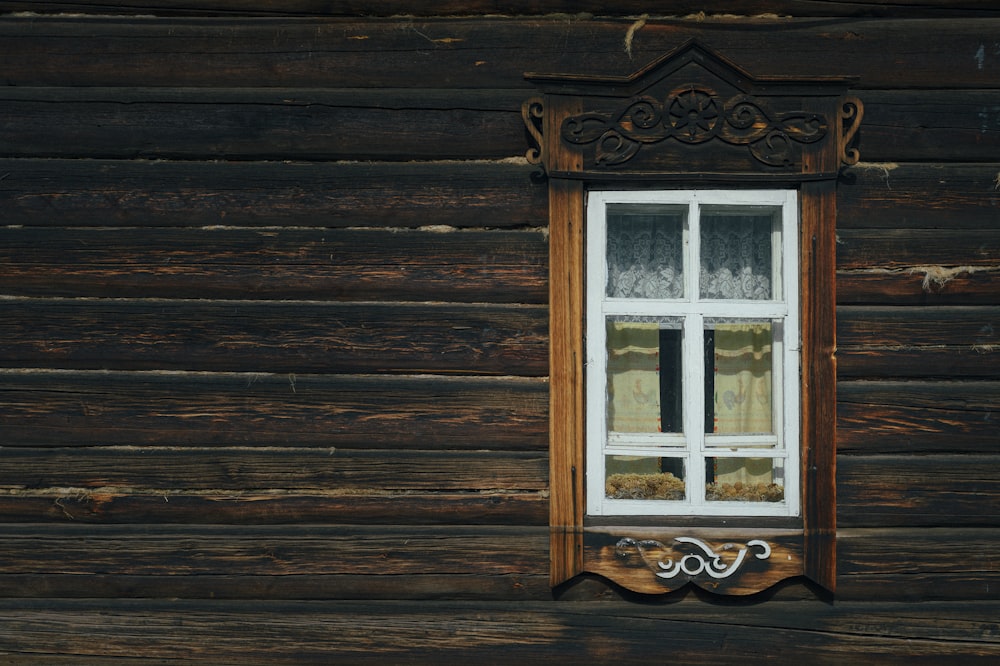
[702, 559]
[851, 113]
[531, 114]
[694, 114]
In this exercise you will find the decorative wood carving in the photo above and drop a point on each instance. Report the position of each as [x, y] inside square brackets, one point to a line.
[851, 113]
[695, 114]
[648, 124]
[721, 560]
[532, 114]
[704, 560]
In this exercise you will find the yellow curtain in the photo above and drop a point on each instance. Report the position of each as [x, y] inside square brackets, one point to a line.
[742, 400]
[633, 377]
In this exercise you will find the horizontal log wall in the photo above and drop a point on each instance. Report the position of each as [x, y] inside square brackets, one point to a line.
[274, 330]
[569, 632]
[272, 8]
[482, 54]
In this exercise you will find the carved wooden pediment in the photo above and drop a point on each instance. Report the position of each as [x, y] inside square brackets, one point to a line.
[693, 111]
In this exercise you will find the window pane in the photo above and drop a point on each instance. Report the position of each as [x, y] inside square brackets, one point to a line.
[644, 376]
[736, 258]
[635, 477]
[645, 252]
[745, 480]
[738, 383]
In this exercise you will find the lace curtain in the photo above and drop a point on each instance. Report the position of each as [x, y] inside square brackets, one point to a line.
[645, 253]
[645, 256]
[736, 257]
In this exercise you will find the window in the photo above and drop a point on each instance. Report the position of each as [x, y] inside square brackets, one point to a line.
[692, 376]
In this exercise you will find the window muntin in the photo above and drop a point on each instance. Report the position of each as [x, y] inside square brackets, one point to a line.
[692, 353]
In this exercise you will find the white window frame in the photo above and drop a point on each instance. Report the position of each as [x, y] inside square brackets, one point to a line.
[692, 445]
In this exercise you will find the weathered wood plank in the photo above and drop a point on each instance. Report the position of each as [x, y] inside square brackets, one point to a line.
[918, 342]
[918, 266]
[476, 53]
[917, 565]
[930, 490]
[106, 193]
[453, 632]
[398, 562]
[261, 124]
[399, 124]
[910, 248]
[94, 408]
[945, 621]
[920, 126]
[929, 587]
[279, 336]
[318, 264]
[917, 362]
[274, 551]
[239, 558]
[115, 469]
[432, 8]
[918, 196]
[273, 508]
[415, 586]
[42, 192]
[917, 417]
[920, 285]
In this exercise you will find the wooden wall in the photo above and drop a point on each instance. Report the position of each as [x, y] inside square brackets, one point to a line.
[273, 334]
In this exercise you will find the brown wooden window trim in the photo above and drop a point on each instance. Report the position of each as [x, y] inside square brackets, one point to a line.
[623, 132]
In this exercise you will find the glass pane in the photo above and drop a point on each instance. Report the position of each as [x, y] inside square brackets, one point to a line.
[644, 376]
[645, 252]
[738, 375]
[636, 477]
[745, 480]
[736, 260]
